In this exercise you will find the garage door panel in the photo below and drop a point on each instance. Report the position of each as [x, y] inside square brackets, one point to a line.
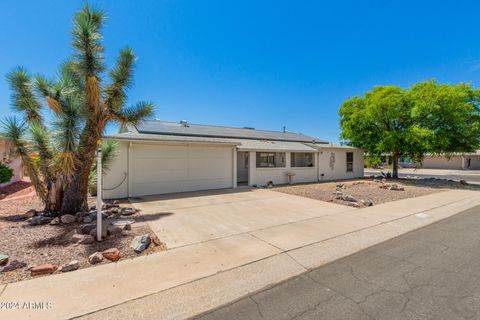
[167, 169]
[159, 152]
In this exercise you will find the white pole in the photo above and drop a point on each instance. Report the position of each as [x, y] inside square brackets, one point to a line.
[99, 191]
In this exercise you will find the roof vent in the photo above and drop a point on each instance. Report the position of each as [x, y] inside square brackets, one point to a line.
[249, 128]
[184, 123]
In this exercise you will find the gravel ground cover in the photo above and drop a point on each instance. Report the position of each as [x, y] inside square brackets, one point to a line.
[371, 191]
[51, 244]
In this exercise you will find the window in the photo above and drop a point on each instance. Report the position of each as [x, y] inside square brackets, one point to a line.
[349, 161]
[270, 159]
[298, 159]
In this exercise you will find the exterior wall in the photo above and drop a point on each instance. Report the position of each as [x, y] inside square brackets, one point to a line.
[338, 170]
[115, 180]
[15, 164]
[261, 176]
[454, 163]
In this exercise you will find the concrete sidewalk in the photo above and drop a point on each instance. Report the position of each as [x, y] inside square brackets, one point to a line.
[191, 279]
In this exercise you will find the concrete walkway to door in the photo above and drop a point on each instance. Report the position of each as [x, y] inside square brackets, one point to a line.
[189, 218]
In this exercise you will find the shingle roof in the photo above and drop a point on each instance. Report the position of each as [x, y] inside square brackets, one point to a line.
[197, 130]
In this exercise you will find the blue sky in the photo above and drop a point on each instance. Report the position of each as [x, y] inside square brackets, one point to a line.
[263, 64]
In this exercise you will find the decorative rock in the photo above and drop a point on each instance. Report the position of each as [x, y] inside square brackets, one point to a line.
[463, 182]
[112, 254]
[14, 265]
[71, 266]
[93, 232]
[140, 243]
[114, 230]
[82, 239]
[354, 204]
[3, 259]
[127, 211]
[86, 229]
[87, 220]
[67, 218]
[340, 185]
[394, 187]
[30, 213]
[127, 227]
[116, 202]
[95, 258]
[349, 198]
[39, 220]
[122, 222]
[43, 269]
[55, 221]
[115, 210]
[156, 241]
[80, 215]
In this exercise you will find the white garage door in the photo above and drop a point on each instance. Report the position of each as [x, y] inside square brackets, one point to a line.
[166, 169]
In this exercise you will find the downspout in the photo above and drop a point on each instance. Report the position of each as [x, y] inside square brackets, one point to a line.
[129, 169]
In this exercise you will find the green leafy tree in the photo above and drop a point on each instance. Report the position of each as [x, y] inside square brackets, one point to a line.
[83, 99]
[425, 118]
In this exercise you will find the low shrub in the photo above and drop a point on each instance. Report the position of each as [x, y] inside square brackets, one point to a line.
[6, 173]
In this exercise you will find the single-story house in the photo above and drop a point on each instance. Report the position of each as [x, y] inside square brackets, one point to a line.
[157, 157]
[13, 162]
[459, 161]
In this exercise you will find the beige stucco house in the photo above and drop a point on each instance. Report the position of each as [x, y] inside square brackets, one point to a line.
[13, 162]
[159, 157]
[464, 161]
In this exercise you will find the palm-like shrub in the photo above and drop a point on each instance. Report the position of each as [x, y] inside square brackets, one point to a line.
[83, 99]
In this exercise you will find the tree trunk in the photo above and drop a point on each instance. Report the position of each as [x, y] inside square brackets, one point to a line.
[76, 192]
[54, 196]
[395, 159]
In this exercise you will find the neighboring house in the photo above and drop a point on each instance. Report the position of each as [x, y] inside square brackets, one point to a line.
[463, 161]
[159, 157]
[14, 163]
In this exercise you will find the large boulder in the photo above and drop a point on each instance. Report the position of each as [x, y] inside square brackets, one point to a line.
[140, 243]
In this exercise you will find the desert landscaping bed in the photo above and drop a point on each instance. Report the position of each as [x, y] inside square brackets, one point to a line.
[371, 191]
[57, 244]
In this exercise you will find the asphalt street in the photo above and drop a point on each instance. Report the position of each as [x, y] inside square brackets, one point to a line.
[430, 273]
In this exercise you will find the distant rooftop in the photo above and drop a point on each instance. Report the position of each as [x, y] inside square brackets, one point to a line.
[183, 128]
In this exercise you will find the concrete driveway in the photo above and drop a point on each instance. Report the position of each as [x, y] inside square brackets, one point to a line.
[189, 218]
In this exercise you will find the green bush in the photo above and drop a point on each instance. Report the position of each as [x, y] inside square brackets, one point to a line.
[6, 173]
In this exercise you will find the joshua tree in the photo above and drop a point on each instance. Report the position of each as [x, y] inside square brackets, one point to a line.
[83, 103]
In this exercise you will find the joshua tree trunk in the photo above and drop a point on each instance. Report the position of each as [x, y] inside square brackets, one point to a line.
[53, 201]
[76, 192]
